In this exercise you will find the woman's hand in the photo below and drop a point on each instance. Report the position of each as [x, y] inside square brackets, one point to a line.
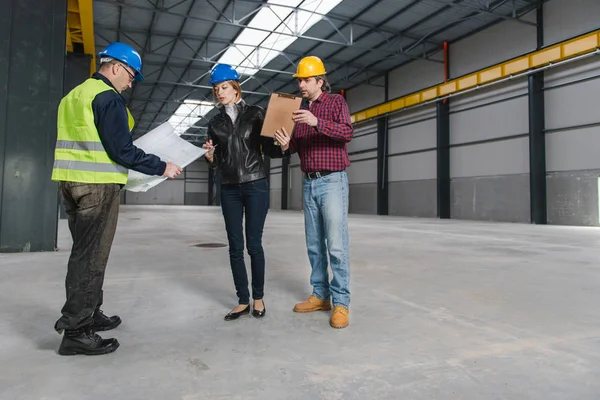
[208, 145]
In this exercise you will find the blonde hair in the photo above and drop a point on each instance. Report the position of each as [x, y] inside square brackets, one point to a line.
[234, 84]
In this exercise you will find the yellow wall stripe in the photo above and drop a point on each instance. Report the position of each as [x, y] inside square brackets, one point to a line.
[577, 46]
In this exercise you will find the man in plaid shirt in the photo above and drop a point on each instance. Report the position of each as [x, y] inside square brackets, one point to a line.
[323, 129]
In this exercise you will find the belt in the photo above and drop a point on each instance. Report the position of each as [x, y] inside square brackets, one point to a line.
[318, 174]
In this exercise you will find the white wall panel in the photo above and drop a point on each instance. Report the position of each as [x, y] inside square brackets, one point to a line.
[496, 44]
[496, 92]
[417, 136]
[363, 171]
[294, 159]
[364, 128]
[169, 192]
[365, 96]
[414, 76]
[296, 180]
[275, 179]
[488, 159]
[572, 105]
[510, 117]
[571, 72]
[412, 167]
[196, 187]
[275, 162]
[361, 143]
[564, 19]
[415, 115]
[573, 150]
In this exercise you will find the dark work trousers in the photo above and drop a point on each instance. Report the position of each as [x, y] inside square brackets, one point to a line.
[93, 211]
[252, 200]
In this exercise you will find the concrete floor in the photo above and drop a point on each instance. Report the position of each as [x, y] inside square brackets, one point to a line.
[441, 310]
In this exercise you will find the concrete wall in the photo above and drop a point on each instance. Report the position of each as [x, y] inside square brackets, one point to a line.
[572, 119]
[489, 155]
[362, 173]
[412, 163]
[196, 183]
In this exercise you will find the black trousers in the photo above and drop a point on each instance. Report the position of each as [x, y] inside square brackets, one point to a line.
[252, 200]
[93, 211]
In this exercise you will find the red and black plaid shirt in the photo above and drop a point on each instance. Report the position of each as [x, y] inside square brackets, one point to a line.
[323, 148]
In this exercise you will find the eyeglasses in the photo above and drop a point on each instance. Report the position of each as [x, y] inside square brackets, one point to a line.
[131, 76]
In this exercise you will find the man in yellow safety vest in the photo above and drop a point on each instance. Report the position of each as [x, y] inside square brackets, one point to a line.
[93, 155]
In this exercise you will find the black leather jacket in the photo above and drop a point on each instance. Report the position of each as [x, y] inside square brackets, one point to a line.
[238, 153]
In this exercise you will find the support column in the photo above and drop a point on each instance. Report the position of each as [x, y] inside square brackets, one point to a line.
[443, 159]
[537, 139]
[285, 182]
[443, 149]
[211, 183]
[217, 188]
[32, 59]
[382, 160]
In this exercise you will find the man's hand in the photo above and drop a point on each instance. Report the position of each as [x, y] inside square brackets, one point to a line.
[306, 117]
[208, 145]
[172, 170]
[283, 137]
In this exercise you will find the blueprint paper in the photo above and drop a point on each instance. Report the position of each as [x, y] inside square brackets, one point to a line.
[163, 142]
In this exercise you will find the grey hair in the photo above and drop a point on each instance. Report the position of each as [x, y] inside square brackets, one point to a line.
[326, 87]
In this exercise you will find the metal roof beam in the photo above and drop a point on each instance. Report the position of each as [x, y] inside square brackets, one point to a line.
[147, 41]
[347, 42]
[191, 85]
[488, 10]
[200, 70]
[173, 89]
[493, 5]
[434, 14]
[180, 30]
[183, 37]
[385, 21]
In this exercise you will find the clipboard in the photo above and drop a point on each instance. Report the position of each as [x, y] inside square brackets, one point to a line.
[279, 113]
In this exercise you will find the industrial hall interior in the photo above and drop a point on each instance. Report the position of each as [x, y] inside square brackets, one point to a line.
[299, 199]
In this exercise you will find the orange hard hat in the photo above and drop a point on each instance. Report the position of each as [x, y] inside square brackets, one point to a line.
[310, 66]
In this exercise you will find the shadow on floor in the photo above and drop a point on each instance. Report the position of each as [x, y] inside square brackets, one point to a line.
[35, 322]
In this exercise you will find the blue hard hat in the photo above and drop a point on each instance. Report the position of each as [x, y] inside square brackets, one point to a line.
[222, 73]
[126, 54]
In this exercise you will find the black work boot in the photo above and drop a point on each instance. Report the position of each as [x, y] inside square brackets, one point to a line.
[104, 323]
[86, 341]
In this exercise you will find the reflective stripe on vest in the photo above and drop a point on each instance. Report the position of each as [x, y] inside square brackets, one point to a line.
[79, 155]
[84, 166]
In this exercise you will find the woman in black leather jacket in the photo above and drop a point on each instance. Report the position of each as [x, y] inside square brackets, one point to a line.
[236, 149]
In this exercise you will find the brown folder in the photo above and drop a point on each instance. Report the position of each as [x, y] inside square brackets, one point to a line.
[279, 113]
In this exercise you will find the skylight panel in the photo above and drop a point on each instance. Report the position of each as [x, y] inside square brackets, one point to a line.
[253, 49]
[281, 21]
[188, 113]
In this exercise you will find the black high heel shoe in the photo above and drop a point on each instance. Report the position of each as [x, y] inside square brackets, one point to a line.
[259, 313]
[235, 315]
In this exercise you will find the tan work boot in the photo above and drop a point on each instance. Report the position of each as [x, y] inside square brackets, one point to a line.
[340, 317]
[313, 303]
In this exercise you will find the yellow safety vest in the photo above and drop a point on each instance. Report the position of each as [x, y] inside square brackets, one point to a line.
[79, 155]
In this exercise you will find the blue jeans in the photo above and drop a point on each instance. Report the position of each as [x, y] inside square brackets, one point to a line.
[326, 230]
[251, 199]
